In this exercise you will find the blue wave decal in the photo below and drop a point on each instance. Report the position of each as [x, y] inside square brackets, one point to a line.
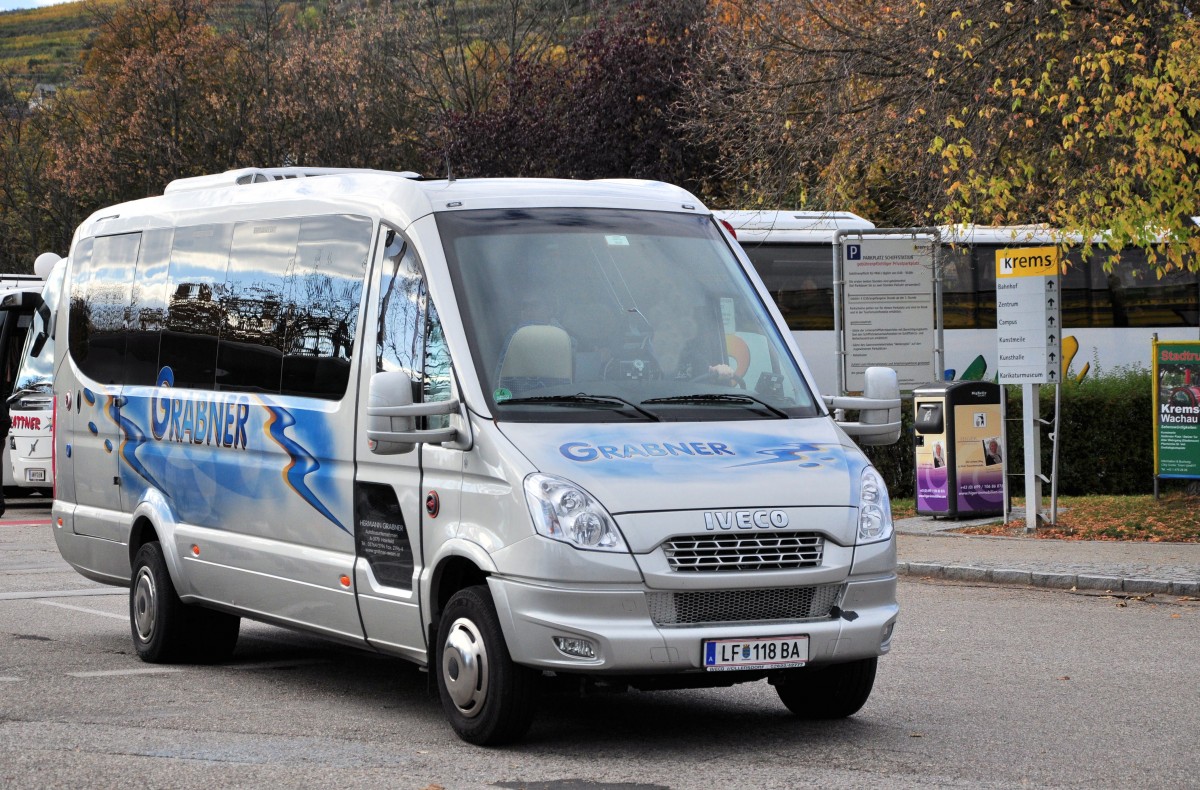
[132, 439]
[302, 462]
[803, 454]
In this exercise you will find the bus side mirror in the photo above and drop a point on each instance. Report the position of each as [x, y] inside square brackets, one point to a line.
[878, 409]
[389, 390]
[39, 342]
[391, 412]
[882, 384]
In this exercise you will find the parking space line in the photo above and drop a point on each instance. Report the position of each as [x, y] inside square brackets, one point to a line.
[10, 680]
[85, 609]
[283, 664]
[116, 672]
[85, 593]
[37, 523]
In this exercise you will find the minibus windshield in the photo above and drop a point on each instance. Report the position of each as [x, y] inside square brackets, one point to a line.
[604, 315]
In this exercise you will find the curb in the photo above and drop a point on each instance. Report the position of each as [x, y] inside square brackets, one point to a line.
[1057, 581]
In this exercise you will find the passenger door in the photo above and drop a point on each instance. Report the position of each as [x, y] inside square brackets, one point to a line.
[402, 498]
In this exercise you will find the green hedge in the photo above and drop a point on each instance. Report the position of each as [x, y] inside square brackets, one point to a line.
[1106, 445]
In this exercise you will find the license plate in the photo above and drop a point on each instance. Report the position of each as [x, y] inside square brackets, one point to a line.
[35, 475]
[775, 653]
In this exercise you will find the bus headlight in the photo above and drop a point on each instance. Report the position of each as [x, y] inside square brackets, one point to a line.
[563, 511]
[874, 508]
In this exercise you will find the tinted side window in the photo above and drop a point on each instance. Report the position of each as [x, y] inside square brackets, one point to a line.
[79, 317]
[100, 295]
[199, 256]
[148, 308]
[254, 304]
[409, 334]
[321, 315]
[800, 279]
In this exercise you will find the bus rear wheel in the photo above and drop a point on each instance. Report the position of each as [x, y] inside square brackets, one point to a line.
[166, 630]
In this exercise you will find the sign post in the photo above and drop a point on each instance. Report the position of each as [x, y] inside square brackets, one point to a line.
[1176, 376]
[1029, 347]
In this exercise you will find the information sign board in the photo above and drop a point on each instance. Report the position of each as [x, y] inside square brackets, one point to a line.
[1028, 316]
[1176, 375]
[888, 309]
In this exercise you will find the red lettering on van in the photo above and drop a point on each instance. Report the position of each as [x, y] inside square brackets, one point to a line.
[26, 422]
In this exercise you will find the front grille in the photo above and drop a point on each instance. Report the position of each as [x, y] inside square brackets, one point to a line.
[741, 552]
[743, 606]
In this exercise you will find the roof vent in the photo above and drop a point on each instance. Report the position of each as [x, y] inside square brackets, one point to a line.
[262, 175]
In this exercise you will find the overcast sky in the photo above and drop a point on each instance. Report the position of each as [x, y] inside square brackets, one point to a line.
[13, 5]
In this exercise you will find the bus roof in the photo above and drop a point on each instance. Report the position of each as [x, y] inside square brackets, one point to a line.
[402, 197]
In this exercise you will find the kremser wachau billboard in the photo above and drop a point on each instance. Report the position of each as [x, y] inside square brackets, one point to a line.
[1176, 373]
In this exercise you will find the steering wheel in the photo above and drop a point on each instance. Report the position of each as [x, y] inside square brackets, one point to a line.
[714, 377]
[636, 368]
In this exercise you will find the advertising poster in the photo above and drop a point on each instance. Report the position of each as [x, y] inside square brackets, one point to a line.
[979, 458]
[933, 478]
[1176, 374]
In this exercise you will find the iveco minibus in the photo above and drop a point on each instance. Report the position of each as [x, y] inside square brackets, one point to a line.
[516, 431]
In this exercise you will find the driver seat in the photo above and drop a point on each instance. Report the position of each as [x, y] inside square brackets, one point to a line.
[537, 355]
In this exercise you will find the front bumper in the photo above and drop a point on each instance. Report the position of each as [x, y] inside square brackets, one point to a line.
[627, 640]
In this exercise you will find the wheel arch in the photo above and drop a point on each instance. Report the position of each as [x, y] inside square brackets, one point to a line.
[153, 520]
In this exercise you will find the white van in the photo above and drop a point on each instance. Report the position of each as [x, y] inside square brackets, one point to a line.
[507, 429]
[30, 407]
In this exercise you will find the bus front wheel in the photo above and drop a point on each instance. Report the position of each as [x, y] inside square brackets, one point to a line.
[488, 698]
[831, 692]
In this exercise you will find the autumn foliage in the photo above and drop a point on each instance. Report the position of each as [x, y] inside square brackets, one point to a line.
[1080, 115]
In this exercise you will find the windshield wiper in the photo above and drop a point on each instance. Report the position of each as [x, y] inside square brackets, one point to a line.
[39, 388]
[714, 397]
[611, 401]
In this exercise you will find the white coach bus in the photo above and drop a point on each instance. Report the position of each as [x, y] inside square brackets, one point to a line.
[511, 430]
[1109, 315]
[20, 295]
[30, 406]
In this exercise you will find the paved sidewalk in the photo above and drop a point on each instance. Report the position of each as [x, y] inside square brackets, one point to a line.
[926, 548]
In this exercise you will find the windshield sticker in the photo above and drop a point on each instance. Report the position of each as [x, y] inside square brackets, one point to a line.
[502, 394]
[617, 241]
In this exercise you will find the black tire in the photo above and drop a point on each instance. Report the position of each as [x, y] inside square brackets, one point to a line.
[831, 692]
[165, 630]
[488, 699]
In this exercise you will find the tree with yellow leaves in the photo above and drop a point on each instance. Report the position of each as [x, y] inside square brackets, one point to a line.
[1084, 116]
